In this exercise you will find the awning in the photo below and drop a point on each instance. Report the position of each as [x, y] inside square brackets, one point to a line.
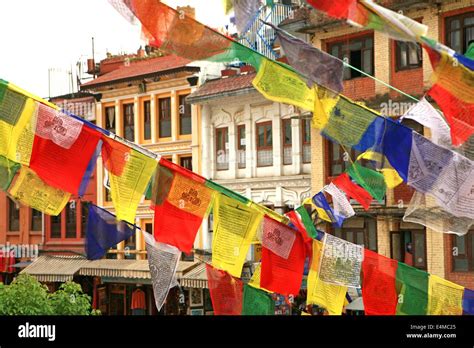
[196, 278]
[52, 268]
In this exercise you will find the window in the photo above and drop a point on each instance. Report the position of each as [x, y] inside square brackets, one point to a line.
[184, 116]
[463, 252]
[164, 116]
[131, 245]
[306, 129]
[264, 144]
[409, 247]
[360, 231]
[36, 220]
[110, 119]
[287, 141]
[56, 226]
[358, 52]
[13, 216]
[71, 220]
[146, 120]
[128, 122]
[241, 146]
[84, 218]
[408, 55]
[186, 162]
[460, 31]
[222, 148]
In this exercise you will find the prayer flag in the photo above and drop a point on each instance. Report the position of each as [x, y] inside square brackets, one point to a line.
[468, 302]
[324, 103]
[104, 232]
[329, 296]
[181, 202]
[378, 284]
[90, 169]
[412, 289]
[344, 183]
[60, 167]
[257, 302]
[370, 180]
[163, 261]
[255, 280]
[8, 169]
[235, 227]
[280, 275]
[444, 297]
[130, 172]
[321, 202]
[342, 208]
[277, 237]
[31, 191]
[308, 223]
[245, 11]
[319, 67]
[226, 292]
[341, 262]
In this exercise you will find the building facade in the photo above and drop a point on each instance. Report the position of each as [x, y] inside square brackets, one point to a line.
[406, 67]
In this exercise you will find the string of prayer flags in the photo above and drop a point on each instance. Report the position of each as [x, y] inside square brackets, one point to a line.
[307, 222]
[344, 183]
[342, 208]
[297, 223]
[320, 67]
[468, 302]
[426, 115]
[90, 169]
[257, 302]
[163, 261]
[280, 84]
[412, 290]
[16, 141]
[31, 191]
[104, 232]
[280, 275]
[255, 280]
[444, 297]
[341, 262]
[277, 237]
[181, 202]
[8, 169]
[325, 211]
[426, 211]
[61, 167]
[372, 181]
[225, 290]
[235, 227]
[391, 176]
[452, 92]
[324, 102]
[339, 9]
[329, 296]
[378, 284]
[11, 105]
[245, 11]
[130, 172]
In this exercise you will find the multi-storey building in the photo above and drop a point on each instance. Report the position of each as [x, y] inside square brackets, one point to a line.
[406, 67]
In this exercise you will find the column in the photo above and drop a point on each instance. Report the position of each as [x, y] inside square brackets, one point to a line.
[250, 153]
[277, 146]
[154, 119]
[99, 119]
[196, 140]
[381, 61]
[138, 243]
[206, 141]
[174, 116]
[136, 120]
[232, 149]
[296, 146]
[118, 118]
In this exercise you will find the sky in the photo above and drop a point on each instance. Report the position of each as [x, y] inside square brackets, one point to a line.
[48, 37]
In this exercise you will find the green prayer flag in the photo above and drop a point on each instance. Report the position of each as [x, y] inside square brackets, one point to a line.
[412, 290]
[11, 105]
[307, 222]
[8, 170]
[216, 187]
[371, 180]
[257, 302]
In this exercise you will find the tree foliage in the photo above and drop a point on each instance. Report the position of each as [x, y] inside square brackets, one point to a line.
[27, 296]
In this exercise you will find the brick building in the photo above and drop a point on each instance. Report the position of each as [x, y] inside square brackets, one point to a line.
[406, 67]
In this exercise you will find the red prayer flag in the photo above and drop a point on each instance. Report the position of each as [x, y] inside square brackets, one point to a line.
[114, 155]
[308, 241]
[459, 114]
[226, 292]
[338, 9]
[354, 191]
[64, 168]
[284, 276]
[378, 284]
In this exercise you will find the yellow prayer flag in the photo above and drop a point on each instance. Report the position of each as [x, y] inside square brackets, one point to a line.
[391, 176]
[235, 226]
[128, 188]
[270, 213]
[444, 297]
[329, 296]
[16, 142]
[304, 313]
[283, 86]
[30, 190]
[255, 280]
[324, 102]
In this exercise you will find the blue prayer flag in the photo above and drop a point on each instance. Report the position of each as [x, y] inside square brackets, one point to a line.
[468, 302]
[320, 201]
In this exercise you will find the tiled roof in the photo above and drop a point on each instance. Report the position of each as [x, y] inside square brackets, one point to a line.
[140, 68]
[223, 85]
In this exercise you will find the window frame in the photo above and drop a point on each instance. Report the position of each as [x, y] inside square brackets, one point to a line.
[225, 136]
[284, 123]
[303, 138]
[104, 118]
[462, 29]
[180, 97]
[128, 105]
[158, 116]
[188, 156]
[468, 255]
[266, 147]
[241, 129]
[398, 56]
[364, 230]
[143, 103]
[32, 223]
[11, 204]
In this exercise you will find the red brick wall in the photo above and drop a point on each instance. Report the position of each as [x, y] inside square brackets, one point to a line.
[361, 88]
[465, 279]
[403, 192]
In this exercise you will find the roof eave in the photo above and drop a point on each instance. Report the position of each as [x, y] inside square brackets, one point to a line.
[219, 95]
